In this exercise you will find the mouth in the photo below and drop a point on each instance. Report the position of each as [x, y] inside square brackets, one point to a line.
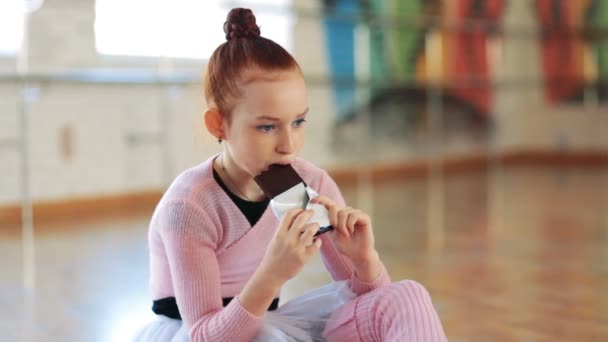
[280, 163]
[268, 166]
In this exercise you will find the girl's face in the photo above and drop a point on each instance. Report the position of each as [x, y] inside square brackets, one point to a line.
[267, 123]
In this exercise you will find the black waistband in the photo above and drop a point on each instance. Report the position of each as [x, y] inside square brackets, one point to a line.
[168, 306]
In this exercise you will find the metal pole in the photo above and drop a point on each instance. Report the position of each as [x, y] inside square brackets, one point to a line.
[27, 217]
[365, 187]
[165, 68]
[435, 181]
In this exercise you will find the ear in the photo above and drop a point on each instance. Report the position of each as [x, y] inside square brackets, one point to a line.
[215, 123]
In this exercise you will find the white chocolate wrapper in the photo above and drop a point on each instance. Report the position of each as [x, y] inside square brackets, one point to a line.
[299, 196]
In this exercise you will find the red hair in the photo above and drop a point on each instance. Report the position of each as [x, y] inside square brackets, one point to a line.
[245, 50]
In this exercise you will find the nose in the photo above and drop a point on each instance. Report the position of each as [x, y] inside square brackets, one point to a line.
[286, 143]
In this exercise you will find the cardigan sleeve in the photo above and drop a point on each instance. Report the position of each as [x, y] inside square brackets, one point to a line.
[190, 240]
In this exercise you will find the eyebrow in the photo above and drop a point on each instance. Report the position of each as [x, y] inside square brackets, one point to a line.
[272, 118]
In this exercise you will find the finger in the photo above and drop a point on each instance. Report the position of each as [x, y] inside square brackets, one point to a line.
[342, 217]
[353, 217]
[326, 201]
[308, 233]
[298, 224]
[364, 219]
[333, 215]
[351, 213]
[288, 219]
[316, 245]
[331, 206]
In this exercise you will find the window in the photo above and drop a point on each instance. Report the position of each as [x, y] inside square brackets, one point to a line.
[11, 26]
[180, 28]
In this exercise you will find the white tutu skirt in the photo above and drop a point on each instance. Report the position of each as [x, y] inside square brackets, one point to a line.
[302, 319]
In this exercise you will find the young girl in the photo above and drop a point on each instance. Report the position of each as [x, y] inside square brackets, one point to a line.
[218, 254]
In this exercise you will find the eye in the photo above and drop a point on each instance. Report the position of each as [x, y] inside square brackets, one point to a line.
[265, 128]
[299, 122]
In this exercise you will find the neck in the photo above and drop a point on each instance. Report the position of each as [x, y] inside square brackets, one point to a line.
[237, 180]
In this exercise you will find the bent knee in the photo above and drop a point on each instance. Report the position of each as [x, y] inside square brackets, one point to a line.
[412, 287]
[406, 291]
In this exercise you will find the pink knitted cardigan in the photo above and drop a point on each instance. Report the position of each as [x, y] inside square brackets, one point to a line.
[202, 248]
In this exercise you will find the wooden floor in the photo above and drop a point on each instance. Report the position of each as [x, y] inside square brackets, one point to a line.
[511, 254]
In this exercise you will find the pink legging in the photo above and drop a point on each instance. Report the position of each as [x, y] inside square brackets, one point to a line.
[401, 311]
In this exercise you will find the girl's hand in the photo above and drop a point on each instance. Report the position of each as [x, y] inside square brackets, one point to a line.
[291, 247]
[352, 234]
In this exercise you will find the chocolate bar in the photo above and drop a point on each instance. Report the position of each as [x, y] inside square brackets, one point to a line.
[280, 178]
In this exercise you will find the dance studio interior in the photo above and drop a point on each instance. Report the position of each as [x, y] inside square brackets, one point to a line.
[474, 133]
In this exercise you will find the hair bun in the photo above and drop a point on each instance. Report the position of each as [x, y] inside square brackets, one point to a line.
[240, 23]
